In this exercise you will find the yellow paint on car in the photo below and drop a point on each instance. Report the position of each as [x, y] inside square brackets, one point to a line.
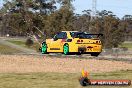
[90, 45]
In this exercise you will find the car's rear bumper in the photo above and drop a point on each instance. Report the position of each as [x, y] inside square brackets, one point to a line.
[86, 48]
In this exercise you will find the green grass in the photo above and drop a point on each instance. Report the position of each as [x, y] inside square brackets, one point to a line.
[17, 42]
[7, 50]
[57, 80]
[127, 45]
[35, 46]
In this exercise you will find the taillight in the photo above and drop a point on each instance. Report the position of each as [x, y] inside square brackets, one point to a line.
[81, 40]
[78, 40]
[98, 42]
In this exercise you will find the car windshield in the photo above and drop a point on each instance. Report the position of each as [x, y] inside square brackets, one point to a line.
[80, 35]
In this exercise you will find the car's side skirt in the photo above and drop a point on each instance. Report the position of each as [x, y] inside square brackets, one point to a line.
[54, 48]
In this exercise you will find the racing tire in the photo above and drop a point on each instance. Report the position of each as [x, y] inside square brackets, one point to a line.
[66, 49]
[44, 48]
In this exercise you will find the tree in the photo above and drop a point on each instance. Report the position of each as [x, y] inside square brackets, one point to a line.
[61, 19]
[38, 17]
[127, 22]
[27, 14]
[110, 26]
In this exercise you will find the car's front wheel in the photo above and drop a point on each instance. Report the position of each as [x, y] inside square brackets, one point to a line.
[66, 49]
[44, 48]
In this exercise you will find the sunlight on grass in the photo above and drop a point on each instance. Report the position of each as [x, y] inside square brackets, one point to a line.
[35, 46]
[127, 45]
[18, 42]
[57, 80]
[8, 50]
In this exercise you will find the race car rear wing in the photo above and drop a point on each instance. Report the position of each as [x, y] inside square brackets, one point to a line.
[97, 35]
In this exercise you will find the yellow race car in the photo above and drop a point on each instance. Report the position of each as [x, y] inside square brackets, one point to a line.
[73, 42]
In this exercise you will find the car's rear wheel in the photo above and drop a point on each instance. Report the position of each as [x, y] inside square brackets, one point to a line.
[44, 48]
[66, 49]
[95, 54]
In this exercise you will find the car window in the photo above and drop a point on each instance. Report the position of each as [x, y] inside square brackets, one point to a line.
[80, 35]
[89, 36]
[61, 35]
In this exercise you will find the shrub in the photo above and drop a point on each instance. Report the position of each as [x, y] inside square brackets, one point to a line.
[29, 42]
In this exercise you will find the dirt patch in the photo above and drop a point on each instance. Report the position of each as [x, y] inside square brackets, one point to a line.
[24, 64]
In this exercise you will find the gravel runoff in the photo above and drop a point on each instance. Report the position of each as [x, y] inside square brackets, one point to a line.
[30, 63]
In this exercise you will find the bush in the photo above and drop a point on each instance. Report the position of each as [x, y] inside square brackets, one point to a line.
[29, 42]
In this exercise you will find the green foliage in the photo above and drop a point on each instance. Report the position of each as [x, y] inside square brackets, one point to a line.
[41, 17]
[112, 28]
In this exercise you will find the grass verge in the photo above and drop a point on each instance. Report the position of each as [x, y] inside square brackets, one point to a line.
[57, 80]
[8, 50]
[17, 42]
[35, 46]
[127, 45]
